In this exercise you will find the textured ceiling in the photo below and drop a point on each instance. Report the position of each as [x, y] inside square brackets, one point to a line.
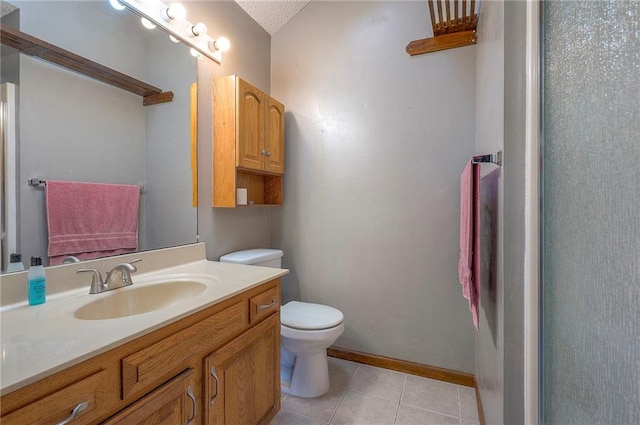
[272, 15]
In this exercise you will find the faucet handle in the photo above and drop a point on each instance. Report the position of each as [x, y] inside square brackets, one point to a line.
[127, 266]
[125, 270]
[96, 280]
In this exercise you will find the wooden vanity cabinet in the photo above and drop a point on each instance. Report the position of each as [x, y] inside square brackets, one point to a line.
[248, 146]
[165, 377]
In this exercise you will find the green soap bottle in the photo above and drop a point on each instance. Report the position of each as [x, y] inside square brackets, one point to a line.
[37, 283]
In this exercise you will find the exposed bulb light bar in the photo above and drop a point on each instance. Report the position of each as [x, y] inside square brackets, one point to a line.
[147, 23]
[117, 5]
[175, 11]
[222, 44]
[169, 19]
[199, 29]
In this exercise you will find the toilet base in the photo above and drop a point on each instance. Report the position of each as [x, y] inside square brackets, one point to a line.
[310, 376]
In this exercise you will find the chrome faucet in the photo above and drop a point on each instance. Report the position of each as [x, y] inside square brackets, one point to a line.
[117, 277]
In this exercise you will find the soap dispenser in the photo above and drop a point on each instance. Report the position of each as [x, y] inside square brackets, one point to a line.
[37, 284]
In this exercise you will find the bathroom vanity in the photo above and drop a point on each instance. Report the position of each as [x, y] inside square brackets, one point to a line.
[211, 358]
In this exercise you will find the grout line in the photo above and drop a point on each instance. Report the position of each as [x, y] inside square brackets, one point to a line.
[395, 420]
[353, 375]
[373, 396]
[432, 411]
[338, 405]
[301, 416]
[459, 404]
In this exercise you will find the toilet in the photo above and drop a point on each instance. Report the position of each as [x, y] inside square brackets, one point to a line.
[306, 331]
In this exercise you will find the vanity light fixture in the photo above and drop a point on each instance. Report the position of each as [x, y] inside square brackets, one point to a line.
[171, 20]
[199, 29]
[172, 38]
[194, 52]
[175, 11]
[147, 23]
[222, 44]
[117, 5]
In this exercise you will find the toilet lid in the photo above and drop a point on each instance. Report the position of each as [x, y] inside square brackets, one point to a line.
[309, 316]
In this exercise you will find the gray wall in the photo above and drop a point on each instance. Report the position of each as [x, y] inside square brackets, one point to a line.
[226, 230]
[490, 138]
[591, 331]
[376, 141]
[500, 121]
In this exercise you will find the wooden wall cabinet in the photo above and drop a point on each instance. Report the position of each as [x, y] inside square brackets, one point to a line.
[218, 366]
[248, 146]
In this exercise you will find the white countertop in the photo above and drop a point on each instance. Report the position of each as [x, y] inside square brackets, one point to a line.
[38, 341]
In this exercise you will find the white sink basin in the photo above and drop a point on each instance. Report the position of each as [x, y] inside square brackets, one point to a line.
[138, 300]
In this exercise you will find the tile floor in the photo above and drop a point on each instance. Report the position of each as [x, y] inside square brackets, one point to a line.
[367, 395]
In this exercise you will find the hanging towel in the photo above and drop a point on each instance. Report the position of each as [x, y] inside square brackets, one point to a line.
[469, 237]
[91, 220]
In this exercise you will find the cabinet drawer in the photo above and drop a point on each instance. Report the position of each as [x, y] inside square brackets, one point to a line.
[263, 304]
[153, 365]
[58, 406]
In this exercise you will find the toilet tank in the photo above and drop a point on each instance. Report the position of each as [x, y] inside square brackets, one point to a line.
[255, 257]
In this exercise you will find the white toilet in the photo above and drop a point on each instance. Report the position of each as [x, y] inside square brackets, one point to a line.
[306, 331]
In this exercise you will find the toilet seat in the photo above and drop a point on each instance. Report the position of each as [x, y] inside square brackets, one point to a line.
[309, 316]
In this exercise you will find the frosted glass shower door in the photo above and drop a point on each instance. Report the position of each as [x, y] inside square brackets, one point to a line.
[591, 236]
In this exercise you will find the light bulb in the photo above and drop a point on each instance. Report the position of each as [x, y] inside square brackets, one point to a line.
[172, 38]
[175, 11]
[199, 29]
[147, 23]
[194, 52]
[117, 5]
[222, 44]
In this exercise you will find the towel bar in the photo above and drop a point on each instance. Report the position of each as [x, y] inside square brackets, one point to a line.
[493, 158]
[36, 182]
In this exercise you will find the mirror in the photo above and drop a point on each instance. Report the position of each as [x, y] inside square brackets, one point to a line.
[70, 127]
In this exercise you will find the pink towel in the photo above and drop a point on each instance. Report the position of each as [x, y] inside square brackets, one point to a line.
[469, 237]
[91, 220]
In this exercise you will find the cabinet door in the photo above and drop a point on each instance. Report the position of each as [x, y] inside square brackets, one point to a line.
[243, 377]
[250, 126]
[173, 403]
[274, 137]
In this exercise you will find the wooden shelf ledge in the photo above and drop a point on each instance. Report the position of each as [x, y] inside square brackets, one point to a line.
[441, 42]
[36, 47]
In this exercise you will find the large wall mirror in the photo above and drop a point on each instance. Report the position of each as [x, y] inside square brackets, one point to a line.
[72, 128]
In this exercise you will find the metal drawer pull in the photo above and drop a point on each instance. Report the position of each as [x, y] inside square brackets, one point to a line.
[193, 401]
[79, 408]
[215, 376]
[265, 306]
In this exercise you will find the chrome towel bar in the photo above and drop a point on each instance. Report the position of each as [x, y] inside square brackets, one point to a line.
[36, 182]
[493, 158]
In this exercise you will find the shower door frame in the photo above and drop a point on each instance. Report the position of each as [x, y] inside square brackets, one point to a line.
[533, 215]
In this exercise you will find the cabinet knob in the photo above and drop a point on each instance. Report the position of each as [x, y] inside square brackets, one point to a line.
[263, 152]
[268, 153]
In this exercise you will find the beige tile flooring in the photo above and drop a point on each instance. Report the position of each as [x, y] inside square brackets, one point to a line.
[367, 395]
